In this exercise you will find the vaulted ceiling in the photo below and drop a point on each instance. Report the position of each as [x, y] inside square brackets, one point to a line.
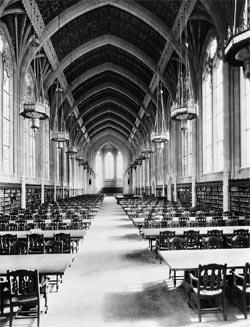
[108, 56]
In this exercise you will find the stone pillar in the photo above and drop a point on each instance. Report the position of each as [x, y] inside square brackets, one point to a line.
[226, 142]
[23, 192]
[194, 161]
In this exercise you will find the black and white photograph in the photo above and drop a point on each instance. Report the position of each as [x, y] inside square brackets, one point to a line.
[124, 163]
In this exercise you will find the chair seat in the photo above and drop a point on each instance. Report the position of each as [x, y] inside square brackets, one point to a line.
[208, 293]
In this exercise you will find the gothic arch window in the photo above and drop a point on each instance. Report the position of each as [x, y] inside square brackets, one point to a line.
[98, 170]
[119, 164]
[109, 165]
[212, 109]
[7, 113]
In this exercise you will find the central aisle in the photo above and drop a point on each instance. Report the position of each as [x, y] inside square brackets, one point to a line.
[115, 281]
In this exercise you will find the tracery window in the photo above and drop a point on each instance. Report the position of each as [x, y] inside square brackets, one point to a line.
[119, 164]
[109, 166]
[212, 109]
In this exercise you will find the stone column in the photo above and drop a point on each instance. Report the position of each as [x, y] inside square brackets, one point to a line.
[228, 95]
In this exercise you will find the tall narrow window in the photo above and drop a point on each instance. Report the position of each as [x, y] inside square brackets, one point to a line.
[212, 109]
[98, 169]
[109, 165]
[245, 120]
[6, 122]
[187, 150]
[119, 165]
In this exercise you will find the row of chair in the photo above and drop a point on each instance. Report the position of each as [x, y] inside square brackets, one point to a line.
[191, 239]
[36, 244]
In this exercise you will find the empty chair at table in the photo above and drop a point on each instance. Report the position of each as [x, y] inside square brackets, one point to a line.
[40, 223]
[239, 241]
[54, 246]
[162, 241]
[36, 243]
[207, 289]
[19, 247]
[24, 293]
[192, 238]
[213, 242]
[183, 221]
[68, 244]
[235, 241]
[177, 243]
[6, 240]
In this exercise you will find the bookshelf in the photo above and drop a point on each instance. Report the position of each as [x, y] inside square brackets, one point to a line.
[184, 193]
[33, 195]
[48, 194]
[10, 197]
[240, 197]
[209, 196]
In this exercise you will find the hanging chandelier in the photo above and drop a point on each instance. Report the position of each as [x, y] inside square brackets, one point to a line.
[237, 46]
[184, 107]
[36, 107]
[160, 133]
[59, 134]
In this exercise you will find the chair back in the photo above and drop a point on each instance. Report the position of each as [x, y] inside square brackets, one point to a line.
[192, 238]
[23, 283]
[164, 238]
[242, 232]
[19, 247]
[240, 241]
[36, 243]
[5, 242]
[66, 241]
[215, 232]
[213, 242]
[177, 243]
[54, 246]
[211, 277]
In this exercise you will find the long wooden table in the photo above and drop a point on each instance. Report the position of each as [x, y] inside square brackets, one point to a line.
[46, 264]
[75, 234]
[189, 260]
[152, 233]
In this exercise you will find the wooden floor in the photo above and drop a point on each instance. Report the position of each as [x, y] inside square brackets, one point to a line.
[115, 281]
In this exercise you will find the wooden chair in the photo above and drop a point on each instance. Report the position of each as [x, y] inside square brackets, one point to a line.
[240, 241]
[208, 285]
[68, 246]
[19, 247]
[192, 238]
[24, 293]
[162, 242]
[36, 243]
[177, 243]
[241, 282]
[213, 242]
[5, 242]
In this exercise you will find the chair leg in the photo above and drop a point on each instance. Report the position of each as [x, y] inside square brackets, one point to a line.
[199, 308]
[224, 307]
[11, 315]
[244, 304]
